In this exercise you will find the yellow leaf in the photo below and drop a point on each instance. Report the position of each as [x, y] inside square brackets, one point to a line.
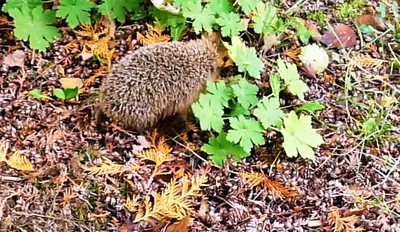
[20, 162]
[71, 83]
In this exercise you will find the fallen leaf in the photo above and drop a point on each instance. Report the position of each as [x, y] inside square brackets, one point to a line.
[269, 41]
[312, 28]
[15, 59]
[86, 55]
[342, 36]
[71, 83]
[180, 226]
[368, 19]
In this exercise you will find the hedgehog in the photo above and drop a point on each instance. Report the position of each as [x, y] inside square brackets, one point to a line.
[157, 81]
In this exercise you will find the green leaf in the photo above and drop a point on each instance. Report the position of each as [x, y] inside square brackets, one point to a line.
[248, 5]
[245, 93]
[275, 83]
[290, 75]
[381, 9]
[59, 93]
[265, 20]
[302, 32]
[238, 109]
[19, 4]
[246, 132]
[244, 57]
[221, 93]
[219, 148]
[75, 11]
[202, 17]
[369, 126]
[183, 4]
[37, 93]
[220, 7]
[71, 93]
[34, 26]
[230, 24]
[116, 9]
[268, 112]
[299, 136]
[176, 23]
[209, 112]
[310, 106]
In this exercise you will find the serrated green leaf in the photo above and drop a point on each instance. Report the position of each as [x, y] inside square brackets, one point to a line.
[71, 93]
[290, 75]
[268, 112]
[209, 112]
[220, 7]
[265, 20]
[219, 148]
[246, 132]
[116, 9]
[59, 93]
[302, 32]
[244, 57]
[275, 83]
[245, 93]
[19, 4]
[369, 126]
[75, 11]
[310, 106]
[183, 4]
[37, 93]
[248, 5]
[203, 18]
[221, 92]
[230, 24]
[299, 136]
[34, 26]
[176, 23]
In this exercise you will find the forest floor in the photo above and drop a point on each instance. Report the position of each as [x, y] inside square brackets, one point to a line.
[353, 184]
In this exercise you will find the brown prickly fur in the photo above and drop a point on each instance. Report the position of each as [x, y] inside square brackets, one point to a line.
[157, 81]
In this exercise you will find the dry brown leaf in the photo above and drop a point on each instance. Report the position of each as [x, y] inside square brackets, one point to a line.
[153, 35]
[259, 180]
[71, 83]
[342, 36]
[68, 195]
[15, 59]
[368, 19]
[180, 226]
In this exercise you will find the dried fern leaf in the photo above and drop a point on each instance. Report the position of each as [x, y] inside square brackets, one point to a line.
[173, 203]
[109, 168]
[3, 152]
[366, 61]
[259, 180]
[153, 35]
[343, 224]
[131, 204]
[20, 162]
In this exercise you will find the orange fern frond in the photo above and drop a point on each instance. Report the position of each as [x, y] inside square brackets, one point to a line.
[293, 54]
[345, 224]
[259, 180]
[366, 61]
[153, 35]
[68, 195]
